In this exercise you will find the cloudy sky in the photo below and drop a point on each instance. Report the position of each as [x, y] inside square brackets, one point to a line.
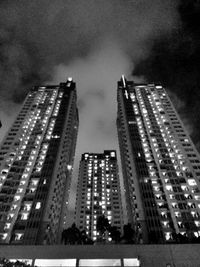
[95, 41]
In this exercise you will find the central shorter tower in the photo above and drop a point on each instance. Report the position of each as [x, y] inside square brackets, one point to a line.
[98, 192]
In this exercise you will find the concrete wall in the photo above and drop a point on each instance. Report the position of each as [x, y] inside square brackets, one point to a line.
[186, 255]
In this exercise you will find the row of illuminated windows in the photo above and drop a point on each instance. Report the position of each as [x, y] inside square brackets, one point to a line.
[133, 262]
[21, 189]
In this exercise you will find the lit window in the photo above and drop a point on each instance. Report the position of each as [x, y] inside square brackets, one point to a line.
[156, 188]
[55, 262]
[27, 169]
[169, 187]
[197, 223]
[38, 205]
[94, 232]
[34, 182]
[196, 234]
[197, 197]
[24, 216]
[19, 190]
[16, 198]
[192, 182]
[182, 233]
[27, 206]
[69, 167]
[38, 169]
[112, 154]
[18, 236]
[184, 188]
[131, 262]
[193, 213]
[7, 226]
[100, 262]
[3, 236]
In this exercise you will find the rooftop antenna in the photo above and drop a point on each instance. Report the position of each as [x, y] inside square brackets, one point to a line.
[124, 81]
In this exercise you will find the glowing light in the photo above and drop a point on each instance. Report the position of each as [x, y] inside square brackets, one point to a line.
[131, 262]
[4, 236]
[124, 81]
[100, 262]
[192, 182]
[69, 167]
[38, 205]
[126, 94]
[112, 154]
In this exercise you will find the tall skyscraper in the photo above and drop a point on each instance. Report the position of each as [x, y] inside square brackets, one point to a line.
[98, 192]
[161, 166]
[36, 158]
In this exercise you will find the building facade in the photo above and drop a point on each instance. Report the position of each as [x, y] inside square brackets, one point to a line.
[161, 166]
[36, 158]
[98, 193]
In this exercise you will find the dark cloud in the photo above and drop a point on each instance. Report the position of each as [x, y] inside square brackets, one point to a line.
[174, 60]
[35, 36]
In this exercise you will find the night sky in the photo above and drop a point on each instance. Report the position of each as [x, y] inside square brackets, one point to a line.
[174, 60]
[45, 41]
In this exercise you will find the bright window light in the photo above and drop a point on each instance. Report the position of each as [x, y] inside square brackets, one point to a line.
[7, 225]
[112, 154]
[18, 236]
[192, 182]
[3, 236]
[38, 205]
[55, 262]
[24, 216]
[69, 167]
[169, 187]
[16, 198]
[131, 262]
[100, 262]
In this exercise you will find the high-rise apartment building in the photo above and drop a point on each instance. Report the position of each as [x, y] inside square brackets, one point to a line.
[161, 166]
[36, 158]
[98, 192]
